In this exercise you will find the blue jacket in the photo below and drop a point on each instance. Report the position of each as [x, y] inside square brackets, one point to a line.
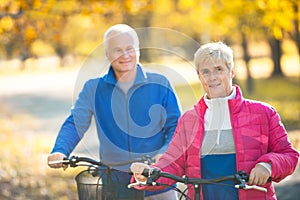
[141, 122]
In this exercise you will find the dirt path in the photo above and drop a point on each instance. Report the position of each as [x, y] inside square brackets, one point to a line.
[48, 98]
[289, 188]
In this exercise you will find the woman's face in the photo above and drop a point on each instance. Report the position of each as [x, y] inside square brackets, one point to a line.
[216, 78]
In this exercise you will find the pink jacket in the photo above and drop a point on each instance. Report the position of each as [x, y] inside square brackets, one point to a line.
[259, 137]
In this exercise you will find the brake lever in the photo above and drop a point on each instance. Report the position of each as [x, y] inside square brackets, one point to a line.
[65, 161]
[249, 187]
[243, 177]
[138, 183]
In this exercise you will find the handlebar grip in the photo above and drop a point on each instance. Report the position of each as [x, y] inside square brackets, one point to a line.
[152, 175]
[269, 179]
[151, 172]
[146, 172]
[246, 176]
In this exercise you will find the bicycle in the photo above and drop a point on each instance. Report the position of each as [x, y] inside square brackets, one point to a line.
[240, 179]
[100, 181]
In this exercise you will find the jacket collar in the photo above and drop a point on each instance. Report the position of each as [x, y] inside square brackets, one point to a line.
[234, 104]
[140, 77]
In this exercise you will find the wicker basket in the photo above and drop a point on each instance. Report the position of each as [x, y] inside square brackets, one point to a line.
[103, 184]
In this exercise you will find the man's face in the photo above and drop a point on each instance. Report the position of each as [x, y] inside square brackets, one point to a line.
[121, 53]
[216, 78]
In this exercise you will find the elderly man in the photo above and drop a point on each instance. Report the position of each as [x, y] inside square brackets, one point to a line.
[135, 111]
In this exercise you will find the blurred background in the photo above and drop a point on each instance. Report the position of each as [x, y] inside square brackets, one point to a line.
[47, 51]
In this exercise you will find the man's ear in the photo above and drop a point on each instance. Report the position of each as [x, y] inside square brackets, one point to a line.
[106, 54]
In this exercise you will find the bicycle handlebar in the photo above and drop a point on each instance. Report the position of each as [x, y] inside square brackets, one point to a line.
[145, 159]
[154, 174]
[74, 161]
[239, 179]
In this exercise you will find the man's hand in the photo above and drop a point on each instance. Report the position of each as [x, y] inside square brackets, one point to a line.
[259, 175]
[56, 157]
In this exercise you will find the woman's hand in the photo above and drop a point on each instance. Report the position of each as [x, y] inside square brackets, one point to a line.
[137, 170]
[259, 175]
[157, 157]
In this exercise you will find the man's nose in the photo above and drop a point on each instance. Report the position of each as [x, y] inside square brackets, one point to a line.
[125, 54]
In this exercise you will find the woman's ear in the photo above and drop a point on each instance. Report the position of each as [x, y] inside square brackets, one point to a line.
[232, 73]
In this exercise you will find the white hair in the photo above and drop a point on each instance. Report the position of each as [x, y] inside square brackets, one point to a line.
[216, 51]
[121, 29]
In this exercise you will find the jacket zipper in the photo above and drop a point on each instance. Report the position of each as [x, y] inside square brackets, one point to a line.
[127, 122]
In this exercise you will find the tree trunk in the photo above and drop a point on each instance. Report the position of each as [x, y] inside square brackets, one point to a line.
[276, 56]
[296, 24]
[249, 82]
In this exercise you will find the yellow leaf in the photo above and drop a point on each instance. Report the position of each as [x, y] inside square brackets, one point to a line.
[30, 33]
[277, 32]
[185, 4]
[7, 23]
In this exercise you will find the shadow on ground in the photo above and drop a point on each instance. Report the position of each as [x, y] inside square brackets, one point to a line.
[289, 191]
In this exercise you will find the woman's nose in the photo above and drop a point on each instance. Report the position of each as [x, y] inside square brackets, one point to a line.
[212, 76]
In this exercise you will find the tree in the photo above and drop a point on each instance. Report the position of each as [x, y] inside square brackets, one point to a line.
[9, 27]
[295, 35]
[237, 21]
[23, 23]
[255, 20]
[279, 16]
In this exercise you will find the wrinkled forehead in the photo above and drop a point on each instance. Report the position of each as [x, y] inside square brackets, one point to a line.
[120, 39]
[211, 62]
[116, 38]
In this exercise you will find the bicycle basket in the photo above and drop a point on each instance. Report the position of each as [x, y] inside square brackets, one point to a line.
[104, 184]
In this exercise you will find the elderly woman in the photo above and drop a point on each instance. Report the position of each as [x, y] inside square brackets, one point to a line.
[225, 133]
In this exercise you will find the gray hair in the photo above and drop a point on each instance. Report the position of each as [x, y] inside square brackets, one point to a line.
[215, 51]
[121, 29]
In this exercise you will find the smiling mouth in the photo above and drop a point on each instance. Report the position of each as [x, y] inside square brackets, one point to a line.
[214, 85]
[125, 62]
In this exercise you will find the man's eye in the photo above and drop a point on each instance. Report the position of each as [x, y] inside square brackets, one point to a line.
[116, 50]
[130, 49]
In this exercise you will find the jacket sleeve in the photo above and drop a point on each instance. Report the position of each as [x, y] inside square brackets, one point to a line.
[173, 112]
[77, 123]
[174, 159]
[281, 155]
